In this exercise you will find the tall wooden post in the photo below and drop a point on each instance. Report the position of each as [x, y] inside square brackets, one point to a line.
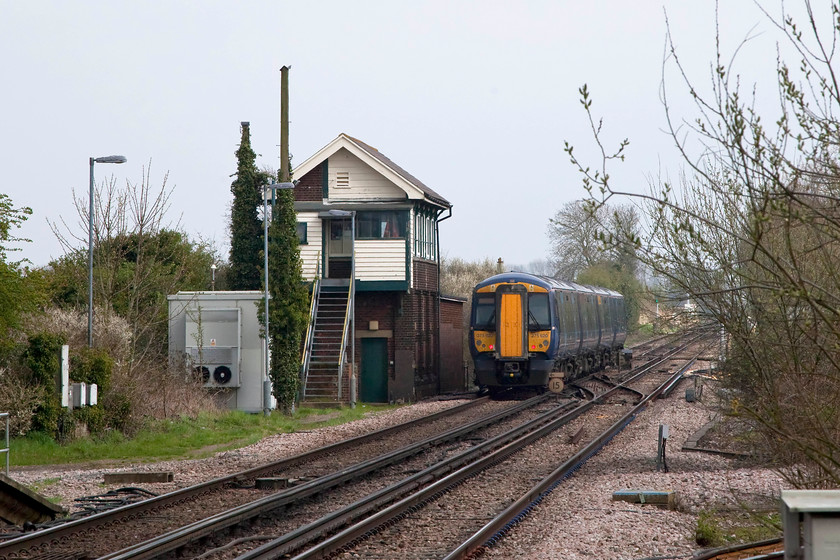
[285, 172]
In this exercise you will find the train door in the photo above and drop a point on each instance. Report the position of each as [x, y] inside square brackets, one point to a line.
[573, 317]
[608, 334]
[511, 333]
[589, 323]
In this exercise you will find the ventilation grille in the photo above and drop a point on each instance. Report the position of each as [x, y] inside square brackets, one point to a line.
[342, 179]
[212, 355]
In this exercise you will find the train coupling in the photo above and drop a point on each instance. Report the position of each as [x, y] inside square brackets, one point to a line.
[512, 371]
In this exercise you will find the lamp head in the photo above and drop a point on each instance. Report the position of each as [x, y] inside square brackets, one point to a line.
[110, 159]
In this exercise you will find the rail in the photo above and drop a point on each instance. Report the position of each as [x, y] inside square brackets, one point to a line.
[497, 527]
[64, 532]
[6, 450]
[366, 521]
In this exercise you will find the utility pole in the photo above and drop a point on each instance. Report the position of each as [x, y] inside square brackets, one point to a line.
[285, 172]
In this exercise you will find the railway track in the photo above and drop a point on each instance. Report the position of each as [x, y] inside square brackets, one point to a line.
[366, 515]
[233, 519]
[93, 536]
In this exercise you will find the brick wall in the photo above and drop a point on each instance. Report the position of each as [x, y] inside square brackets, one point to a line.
[425, 276]
[310, 186]
[381, 307]
[452, 374]
[452, 313]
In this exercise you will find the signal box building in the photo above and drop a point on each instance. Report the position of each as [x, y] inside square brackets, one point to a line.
[369, 242]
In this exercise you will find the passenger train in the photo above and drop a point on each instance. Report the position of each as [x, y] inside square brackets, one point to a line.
[534, 331]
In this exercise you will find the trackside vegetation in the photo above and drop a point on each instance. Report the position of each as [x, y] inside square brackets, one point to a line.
[180, 438]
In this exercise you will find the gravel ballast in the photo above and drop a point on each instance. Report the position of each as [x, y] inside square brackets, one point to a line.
[578, 520]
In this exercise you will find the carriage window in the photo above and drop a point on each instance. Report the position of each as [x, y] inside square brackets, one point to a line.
[485, 312]
[539, 314]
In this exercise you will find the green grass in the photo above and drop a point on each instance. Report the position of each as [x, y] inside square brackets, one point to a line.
[179, 439]
[721, 528]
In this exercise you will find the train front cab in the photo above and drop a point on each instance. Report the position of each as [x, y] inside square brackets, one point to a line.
[512, 335]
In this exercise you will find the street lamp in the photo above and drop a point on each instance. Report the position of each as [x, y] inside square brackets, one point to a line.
[266, 188]
[213, 277]
[352, 215]
[105, 159]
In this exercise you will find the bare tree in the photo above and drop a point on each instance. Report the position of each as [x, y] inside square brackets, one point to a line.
[752, 233]
[139, 259]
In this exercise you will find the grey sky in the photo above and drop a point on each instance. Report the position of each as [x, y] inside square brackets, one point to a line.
[475, 98]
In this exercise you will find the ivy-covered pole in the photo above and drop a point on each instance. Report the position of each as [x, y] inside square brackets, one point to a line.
[289, 304]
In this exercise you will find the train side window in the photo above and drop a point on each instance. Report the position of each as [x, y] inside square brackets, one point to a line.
[485, 312]
[539, 314]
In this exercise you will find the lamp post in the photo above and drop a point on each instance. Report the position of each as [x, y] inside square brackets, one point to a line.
[352, 215]
[213, 277]
[266, 189]
[105, 159]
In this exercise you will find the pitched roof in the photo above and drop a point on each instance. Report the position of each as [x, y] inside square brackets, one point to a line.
[369, 154]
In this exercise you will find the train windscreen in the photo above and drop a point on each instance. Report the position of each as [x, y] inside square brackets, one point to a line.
[539, 313]
[485, 313]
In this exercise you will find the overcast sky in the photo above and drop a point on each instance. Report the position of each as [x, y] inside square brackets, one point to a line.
[474, 98]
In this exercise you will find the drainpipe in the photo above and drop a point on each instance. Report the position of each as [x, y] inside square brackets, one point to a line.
[438, 220]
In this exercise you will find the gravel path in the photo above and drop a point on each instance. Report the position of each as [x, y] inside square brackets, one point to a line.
[578, 520]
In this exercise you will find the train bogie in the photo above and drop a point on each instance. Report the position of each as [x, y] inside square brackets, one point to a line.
[532, 331]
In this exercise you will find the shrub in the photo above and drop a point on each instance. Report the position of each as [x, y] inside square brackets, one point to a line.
[42, 358]
[20, 399]
[47, 413]
[94, 417]
[708, 532]
[92, 365]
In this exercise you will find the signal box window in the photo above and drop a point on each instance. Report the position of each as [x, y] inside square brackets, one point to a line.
[301, 232]
[379, 225]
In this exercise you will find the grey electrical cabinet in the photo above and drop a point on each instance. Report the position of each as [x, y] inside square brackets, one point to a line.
[811, 524]
[216, 338]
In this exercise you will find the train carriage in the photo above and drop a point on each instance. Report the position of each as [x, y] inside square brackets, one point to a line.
[531, 331]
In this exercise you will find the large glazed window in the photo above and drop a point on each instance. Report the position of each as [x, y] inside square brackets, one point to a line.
[485, 312]
[539, 313]
[379, 225]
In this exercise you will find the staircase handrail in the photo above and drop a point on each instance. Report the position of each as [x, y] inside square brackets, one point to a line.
[351, 300]
[310, 336]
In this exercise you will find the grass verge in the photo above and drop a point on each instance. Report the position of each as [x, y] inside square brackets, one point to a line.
[721, 528]
[185, 438]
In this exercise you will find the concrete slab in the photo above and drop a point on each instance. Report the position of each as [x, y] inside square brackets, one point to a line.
[19, 504]
[661, 498]
[138, 477]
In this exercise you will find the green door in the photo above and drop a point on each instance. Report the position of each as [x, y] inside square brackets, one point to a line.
[374, 370]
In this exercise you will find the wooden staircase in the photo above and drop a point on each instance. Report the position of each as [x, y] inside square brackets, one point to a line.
[324, 384]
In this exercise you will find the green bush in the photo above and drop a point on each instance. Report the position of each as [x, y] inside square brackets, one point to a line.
[94, 417]
[41, 357]
[46, 417]
[116, 409]
[708, 532]
[92, 365]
